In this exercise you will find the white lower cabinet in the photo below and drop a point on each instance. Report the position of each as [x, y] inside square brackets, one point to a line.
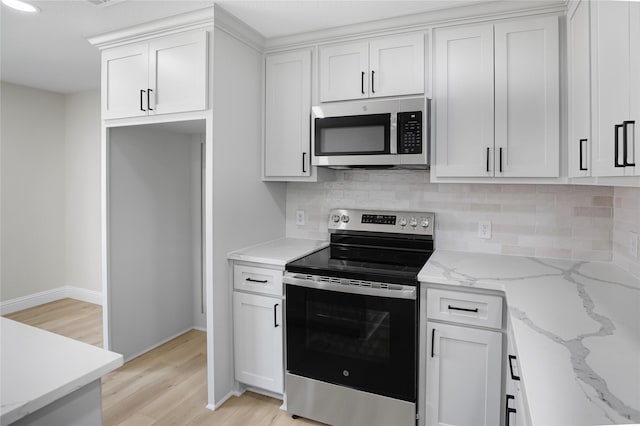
[258, 341]
[516, 410]
[463, 375]
[462, 351]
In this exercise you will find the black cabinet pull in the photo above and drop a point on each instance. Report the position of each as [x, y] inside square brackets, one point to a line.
[513, 376]
[373, 87]
[500, 160]
[251, 280]
[488, 151]
[581, 155]
[615, 146]
[275, 316]
[362, 83]
[142, 106]
[433, 335]
[455, 308]
[509, 410]
[304, 154]
[148, 101]
[624, 143]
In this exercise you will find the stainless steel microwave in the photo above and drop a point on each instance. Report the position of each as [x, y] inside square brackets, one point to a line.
[371, 134]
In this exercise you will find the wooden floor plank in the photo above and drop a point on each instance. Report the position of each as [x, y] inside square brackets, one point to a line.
[165, 386]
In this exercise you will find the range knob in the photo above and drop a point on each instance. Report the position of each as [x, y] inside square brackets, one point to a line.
[345, 218]
[336, 218]
[424, 223]
[413, 222]
[402, 222]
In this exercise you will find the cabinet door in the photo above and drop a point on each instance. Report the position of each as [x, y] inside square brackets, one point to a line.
[579, 91]
[396, 65]
[125, 81]
[463, 93]
[610, 83]
[344, 71]
[257, 322]
[527, 98]
[178, 73]
[463, 376]
[288, 114]
[633, 156]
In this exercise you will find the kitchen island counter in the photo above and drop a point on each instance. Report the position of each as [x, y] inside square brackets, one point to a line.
[50, 379]
[576, 327]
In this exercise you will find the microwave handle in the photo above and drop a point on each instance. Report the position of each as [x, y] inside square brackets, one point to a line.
[393, 137]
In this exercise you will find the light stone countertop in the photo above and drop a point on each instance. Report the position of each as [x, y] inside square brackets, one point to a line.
[278, 252]
[576, 327]
[38, 367]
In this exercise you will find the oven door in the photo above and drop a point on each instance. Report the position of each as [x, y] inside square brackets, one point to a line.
[353, 337]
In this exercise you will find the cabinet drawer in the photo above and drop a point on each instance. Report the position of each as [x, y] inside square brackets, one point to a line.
[258, 280]
[464, 308]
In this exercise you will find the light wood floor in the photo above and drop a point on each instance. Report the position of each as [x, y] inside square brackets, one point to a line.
[165, 386]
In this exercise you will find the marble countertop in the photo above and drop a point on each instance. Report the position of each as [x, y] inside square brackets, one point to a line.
[38, 367]
[278, 252]
[576, 327]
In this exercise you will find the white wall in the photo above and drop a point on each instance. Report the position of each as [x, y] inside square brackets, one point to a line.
[82, 189]
[150, 237]
[33, 191]
[247, 210]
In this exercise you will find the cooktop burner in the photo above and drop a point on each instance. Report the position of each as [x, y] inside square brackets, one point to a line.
[373, 246]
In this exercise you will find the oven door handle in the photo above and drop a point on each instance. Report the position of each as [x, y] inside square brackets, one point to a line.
[397, 292]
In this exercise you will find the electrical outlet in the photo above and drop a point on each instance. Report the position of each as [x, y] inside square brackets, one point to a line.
[484, 229]
[300, 217]
[633, 246]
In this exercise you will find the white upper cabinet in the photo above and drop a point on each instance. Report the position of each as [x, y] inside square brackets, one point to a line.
[344, 71]
[464, 101]
[396, 65]
[288, 115]
[579, 90]
[165, 75]
[615, 67]
[497, 100]
[527, 98]
[389, 66]
[124, 81]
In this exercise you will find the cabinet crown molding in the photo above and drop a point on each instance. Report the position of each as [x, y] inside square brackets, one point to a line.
[196, 19]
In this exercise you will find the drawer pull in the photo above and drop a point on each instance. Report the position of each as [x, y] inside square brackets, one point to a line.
[513, 376]
[455, 308]
[251, 280]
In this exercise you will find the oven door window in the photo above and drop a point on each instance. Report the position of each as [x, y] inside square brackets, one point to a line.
[364, 342]
[353, 135]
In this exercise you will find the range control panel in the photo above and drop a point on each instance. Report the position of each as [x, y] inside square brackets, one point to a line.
[416, 223]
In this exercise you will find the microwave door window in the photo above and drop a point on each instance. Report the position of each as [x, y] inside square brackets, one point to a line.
[352, 140]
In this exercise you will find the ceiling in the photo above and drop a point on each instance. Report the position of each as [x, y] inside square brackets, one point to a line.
[49, 50]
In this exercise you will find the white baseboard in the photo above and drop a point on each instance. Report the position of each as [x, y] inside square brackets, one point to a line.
[214, 407]
[36, 299]
[144, 351]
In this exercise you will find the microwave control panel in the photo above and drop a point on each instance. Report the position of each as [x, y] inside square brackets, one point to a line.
[410, 132]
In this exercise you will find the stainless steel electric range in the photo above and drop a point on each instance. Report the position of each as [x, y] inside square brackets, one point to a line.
[352, 320]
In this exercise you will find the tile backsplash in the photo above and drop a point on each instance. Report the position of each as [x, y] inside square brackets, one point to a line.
[626, 220]
[562, 221]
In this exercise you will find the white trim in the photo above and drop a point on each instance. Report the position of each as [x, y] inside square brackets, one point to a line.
[236, 28]
[199, 329]
[150, 348]
[196, 19]
[214, 407]
[36, 299]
